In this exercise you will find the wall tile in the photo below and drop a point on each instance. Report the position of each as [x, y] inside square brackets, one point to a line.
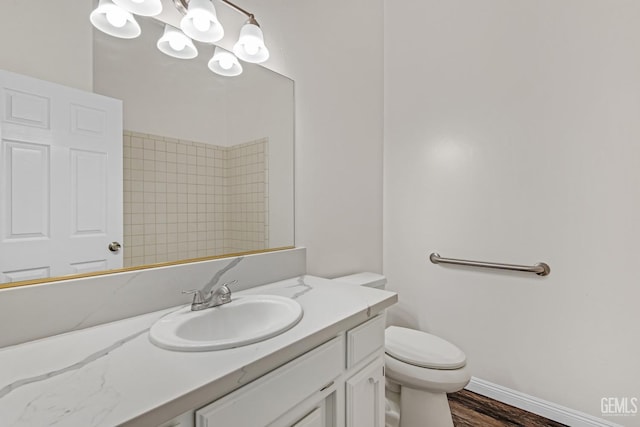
[185, 199]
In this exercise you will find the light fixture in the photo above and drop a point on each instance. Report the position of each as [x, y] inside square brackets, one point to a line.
[141, 7]
[225, 63]
[250, 46]
[201, 23]
[114, 20]
[175, 43]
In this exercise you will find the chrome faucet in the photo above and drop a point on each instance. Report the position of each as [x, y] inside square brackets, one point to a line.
[219, 295]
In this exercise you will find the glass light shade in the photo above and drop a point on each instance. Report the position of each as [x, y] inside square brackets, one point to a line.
[250, 46]
[174, 43]
[114, 20]
[225, 63]
[201, 23]
[141, 7]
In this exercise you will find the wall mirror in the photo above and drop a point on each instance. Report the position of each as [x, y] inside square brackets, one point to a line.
[207, 160]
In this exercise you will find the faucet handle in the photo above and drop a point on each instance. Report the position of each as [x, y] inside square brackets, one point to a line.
[233, 282]
[223, 294]
[224, 289]
[198, 298]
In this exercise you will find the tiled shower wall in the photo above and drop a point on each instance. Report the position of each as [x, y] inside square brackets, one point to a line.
[185, 199]
[246, 217]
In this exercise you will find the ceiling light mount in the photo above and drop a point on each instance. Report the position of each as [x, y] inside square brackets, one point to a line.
[183, 7]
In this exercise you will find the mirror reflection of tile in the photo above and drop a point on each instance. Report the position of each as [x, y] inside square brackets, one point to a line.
[186, 199]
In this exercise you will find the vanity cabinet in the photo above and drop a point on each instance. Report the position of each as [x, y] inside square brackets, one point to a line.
[338, 384]
[269, 398]
[365, 383]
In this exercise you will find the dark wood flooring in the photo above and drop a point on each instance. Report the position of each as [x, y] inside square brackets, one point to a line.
[473, 410]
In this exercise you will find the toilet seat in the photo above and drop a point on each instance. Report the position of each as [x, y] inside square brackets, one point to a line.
[423, 350]
[431, 380]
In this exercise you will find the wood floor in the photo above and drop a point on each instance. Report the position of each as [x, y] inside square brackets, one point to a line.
[473, 410]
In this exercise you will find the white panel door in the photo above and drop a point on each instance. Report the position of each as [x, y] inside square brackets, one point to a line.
[60, 179]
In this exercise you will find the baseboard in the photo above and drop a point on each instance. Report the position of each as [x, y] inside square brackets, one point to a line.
[537, 406]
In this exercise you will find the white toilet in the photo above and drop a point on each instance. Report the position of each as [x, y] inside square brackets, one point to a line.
[420, 368]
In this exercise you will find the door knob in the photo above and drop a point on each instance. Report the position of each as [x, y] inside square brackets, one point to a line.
[114, 246]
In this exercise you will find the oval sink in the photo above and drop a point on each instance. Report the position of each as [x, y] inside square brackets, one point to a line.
[245, 320]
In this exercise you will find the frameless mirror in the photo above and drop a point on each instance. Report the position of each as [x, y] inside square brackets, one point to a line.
[207, 166]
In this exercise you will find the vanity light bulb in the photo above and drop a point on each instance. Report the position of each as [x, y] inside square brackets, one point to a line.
[116, 17]
[177, 44]
[251, 46]
[174, 43]
[226, 62]
[202, 23]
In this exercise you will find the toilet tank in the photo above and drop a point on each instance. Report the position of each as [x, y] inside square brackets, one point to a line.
[372, 280]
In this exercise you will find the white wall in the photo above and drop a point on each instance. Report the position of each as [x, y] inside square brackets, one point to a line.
[511, 135]
[268, 110]
[164, 96]
[333, 51]
[53, 52]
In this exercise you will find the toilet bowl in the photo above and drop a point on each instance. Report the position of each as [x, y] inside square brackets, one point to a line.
[420, 368]
[426, 368]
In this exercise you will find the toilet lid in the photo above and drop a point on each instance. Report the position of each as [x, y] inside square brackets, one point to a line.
[422, 349]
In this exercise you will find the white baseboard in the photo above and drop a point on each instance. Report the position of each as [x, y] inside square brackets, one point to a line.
[537, 406]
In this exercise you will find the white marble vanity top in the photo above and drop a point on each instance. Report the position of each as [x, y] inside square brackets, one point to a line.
[111, 374]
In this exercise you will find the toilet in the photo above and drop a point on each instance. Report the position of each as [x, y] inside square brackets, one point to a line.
[420, 370]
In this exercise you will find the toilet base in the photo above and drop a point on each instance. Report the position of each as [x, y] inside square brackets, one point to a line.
[419, 408]
[392, 408]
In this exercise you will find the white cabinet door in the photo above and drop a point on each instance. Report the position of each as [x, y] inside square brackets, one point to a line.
[365, 396]
[313, 419]
[60, 179]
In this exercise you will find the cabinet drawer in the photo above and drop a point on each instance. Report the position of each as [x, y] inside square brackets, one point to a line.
[270, 396]
[365, 339]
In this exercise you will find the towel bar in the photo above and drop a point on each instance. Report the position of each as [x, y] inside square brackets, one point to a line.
[541, 268]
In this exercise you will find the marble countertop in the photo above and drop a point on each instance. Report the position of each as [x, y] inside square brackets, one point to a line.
[111, 374]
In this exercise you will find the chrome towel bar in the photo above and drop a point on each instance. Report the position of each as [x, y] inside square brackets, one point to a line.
[541, 268]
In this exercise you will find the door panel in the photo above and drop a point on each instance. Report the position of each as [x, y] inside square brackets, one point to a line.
[89, 266]
[28, 274]
[27, 109]
[26, 175]
[88, 192]
[87, 120]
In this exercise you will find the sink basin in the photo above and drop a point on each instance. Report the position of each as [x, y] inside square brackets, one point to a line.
[245, 320]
